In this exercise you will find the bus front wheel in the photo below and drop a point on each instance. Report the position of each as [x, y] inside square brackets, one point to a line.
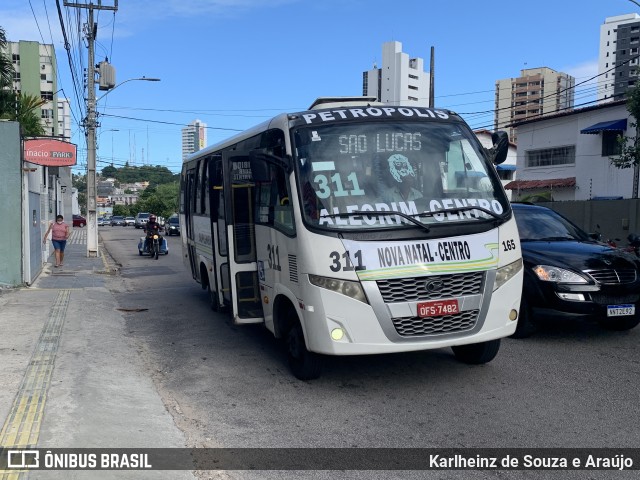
[477, 353]
[304, 364]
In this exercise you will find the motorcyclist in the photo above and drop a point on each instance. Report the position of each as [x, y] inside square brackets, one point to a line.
[152, 227]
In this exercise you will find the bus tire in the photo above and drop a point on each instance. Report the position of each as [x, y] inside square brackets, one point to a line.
[477, 353]
[525, 327]
[304, 365]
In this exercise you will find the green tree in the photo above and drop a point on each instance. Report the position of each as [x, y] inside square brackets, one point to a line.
[629, 146]
[110, 172]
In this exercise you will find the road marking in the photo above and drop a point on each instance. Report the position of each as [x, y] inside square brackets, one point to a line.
[22, 427]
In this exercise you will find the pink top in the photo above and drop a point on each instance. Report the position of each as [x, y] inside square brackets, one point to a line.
[59, 231]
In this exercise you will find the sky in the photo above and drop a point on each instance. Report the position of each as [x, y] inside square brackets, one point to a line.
[235, 63]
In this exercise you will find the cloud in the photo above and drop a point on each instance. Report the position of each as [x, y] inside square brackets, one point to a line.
[582, 71]
[20, 23]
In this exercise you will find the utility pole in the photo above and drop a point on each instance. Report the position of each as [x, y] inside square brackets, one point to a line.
[91, 123]
[432, 78]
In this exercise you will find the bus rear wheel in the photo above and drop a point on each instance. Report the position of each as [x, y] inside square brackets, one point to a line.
[477, 353]
[305, 365]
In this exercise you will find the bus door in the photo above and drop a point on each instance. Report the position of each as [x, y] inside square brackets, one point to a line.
[189, 192]
[275, 232]
[240, 273]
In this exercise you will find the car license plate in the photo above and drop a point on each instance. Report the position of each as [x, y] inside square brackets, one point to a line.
[437, 308]
[620, 310]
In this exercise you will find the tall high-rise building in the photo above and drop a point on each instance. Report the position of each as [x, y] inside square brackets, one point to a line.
[36, 74]
[618, 56]
[536, 92]
[194, 138]
[400, 81]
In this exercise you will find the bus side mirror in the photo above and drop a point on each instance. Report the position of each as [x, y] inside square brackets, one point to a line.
[498, 153]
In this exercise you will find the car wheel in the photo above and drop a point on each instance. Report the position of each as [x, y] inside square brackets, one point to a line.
[81, 224]
[477, 353]
[619, 324]
[526, 327]
[304, 364]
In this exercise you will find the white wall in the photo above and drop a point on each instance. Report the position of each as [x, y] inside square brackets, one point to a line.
[595, 176]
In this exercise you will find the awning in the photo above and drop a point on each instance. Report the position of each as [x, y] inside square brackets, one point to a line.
[505, 167]
[613, 125]
[537, 184]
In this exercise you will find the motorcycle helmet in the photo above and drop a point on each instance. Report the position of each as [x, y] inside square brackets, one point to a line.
[152, 218]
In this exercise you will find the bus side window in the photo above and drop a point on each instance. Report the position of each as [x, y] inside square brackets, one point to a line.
[274, 200]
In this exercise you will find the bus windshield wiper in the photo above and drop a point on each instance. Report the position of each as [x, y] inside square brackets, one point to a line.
[368, 213]
[458, 210]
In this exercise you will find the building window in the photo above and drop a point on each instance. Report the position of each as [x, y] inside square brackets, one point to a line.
[505, 174]
[551, 156]
[610, 144]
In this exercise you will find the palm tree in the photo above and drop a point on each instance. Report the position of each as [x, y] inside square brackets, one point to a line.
[6, 66]
[6, 77]
[28, 115]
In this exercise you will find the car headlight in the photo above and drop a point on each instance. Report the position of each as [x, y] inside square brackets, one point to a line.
[345, 287]
[503, 274]
[547, 273]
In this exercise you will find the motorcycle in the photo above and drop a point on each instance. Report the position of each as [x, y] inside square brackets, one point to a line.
[634, 244]
[156, 245]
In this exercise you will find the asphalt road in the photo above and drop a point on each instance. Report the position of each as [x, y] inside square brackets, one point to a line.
[572, 385]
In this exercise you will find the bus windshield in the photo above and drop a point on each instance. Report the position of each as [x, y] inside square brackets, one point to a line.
[419, 172]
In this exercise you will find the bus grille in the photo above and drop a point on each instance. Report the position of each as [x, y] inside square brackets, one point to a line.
[412, 326]
[613, 277]
[398, 290]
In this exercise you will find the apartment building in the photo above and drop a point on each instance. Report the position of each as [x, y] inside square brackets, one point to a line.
[194, 138]
[536, 92]
[36, 74]
[618, 56]
[400, 81]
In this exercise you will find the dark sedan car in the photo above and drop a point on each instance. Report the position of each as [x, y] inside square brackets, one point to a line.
[172, 226]
[567, 272]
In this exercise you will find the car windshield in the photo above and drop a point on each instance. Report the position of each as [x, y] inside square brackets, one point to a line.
[537, 224]
[380, 175]
[174, 221]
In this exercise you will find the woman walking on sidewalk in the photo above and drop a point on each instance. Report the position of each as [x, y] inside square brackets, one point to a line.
[59, 235]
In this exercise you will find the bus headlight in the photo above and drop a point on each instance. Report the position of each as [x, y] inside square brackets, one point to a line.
[345, 287]
[507, 272]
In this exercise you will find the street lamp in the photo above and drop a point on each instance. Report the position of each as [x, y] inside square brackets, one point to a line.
[91, 125]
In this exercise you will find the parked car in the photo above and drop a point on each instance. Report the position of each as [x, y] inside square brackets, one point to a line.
[79, 221]
[172, 226]
[130, 221]
[141, 219]
[118, 221]
[567, 272]
[102, 222]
